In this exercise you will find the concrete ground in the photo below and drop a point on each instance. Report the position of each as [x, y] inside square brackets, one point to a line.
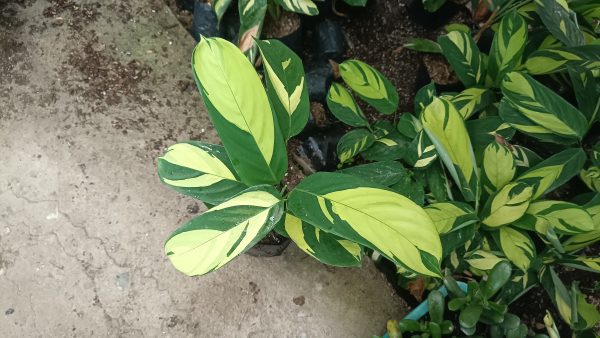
[91, 92]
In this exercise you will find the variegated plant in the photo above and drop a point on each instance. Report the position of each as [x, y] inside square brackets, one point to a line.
[509, 188]
[325, 214]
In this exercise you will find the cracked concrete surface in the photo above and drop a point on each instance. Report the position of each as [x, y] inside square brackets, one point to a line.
[90, 94]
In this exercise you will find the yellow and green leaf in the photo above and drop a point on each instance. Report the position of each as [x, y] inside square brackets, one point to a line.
[572, 305]
[591, 177]
[557, 59]
[507, 46]
[252, 14]
[580, 241]
[561, 21]
[586, 263]
[446, 129]
[472, 100]
[483, 260]
[323, 246]
[507, 205]
[343, 106]
[220, 234]
[220, 7]
[286, 86]
[306, 7]
[423, 97]
[517, 247]
[392, 146]
[385, 221]
[562, 217]
[498, 167]
[239, 109]
[587, 92]
[553, 171]
[370, 85]
[463, 55]
[483, 131]
[352, 143]
[543, 107]
[386, 173]
[409, 125]
[422, 151]
[199, 170]
[450, 216]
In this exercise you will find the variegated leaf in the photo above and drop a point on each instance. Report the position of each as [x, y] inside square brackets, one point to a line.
[352, 143]
[423, 97]
[463, 55]
[580, 241]
[507, 205]
[239, 109]
[385, 173]
[422, 151]
[199, 170]
[306, 7]
[370, 85]
[498, 167]
[483, 131]
[389, 148]
[569, 303]
[524, 158]
[450, 216]
[591, 178]
[343, 106]
[587, 92]
[586, 263]
[286, 86]
[517, 247]
[472, 100]
[541, 106]
[409, 125]
[561, 21]
[507, 46]
[483, 260]
[557, 59]
[553, 171]
[446, 129]
[423, 45]
[385, 221]
[323, 246]
[220, 234]
[252, 14]
[220, 7]
[562, 217]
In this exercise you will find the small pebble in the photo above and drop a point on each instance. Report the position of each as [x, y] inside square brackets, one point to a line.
[9, 312]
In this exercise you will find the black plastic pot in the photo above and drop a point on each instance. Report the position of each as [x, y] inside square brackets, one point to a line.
[331, 43]
[205, 21]
[318, 79]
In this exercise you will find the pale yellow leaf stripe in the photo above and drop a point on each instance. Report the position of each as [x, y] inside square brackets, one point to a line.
[507, 207]
[219, 66]
[197, 252]
[197, 158]
[517, 247]
[305, 6]
[289, 101]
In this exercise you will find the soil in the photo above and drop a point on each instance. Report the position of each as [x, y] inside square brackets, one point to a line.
[285, 24]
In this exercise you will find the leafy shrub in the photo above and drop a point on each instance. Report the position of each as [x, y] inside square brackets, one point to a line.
[469, 196]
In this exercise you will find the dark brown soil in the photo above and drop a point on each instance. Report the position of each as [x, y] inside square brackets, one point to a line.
[376, 35]
[107, 78]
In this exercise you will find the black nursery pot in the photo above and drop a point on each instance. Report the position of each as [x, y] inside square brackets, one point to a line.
[271, 246]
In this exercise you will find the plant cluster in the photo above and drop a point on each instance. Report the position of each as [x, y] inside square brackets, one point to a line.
[449, 189]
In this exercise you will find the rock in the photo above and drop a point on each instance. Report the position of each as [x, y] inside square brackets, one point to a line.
[9, 311]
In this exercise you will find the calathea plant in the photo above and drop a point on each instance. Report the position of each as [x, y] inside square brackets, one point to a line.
[502, 206]
[327, 214]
